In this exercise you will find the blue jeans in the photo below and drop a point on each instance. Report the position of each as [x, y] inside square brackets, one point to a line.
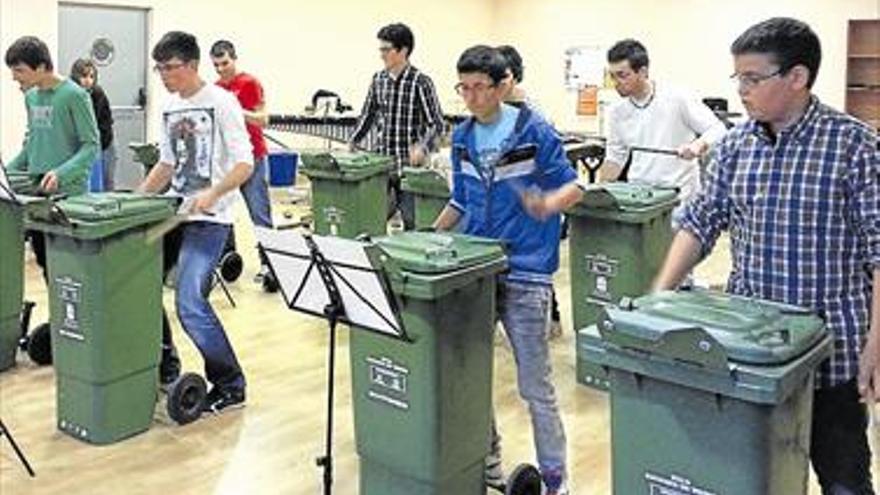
[108, 159]
[255, 191]
[195, 247]
[524, 310]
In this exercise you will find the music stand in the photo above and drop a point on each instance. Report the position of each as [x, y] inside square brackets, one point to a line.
[4, 431]
[336, 279]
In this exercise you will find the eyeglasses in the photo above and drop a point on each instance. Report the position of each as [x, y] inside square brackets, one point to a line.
[461, 88]
[165, 68]
[750, 80]
[385, 49]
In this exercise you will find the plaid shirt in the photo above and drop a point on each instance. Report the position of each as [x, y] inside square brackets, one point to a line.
[405, 111]
[803, 212]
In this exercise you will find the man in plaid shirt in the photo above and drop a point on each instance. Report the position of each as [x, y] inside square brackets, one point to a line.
[798, 188]
[403, 105]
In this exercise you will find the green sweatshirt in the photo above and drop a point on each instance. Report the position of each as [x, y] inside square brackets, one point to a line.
[62, 136]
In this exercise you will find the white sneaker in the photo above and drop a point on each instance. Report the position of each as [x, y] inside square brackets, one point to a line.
[495, 477]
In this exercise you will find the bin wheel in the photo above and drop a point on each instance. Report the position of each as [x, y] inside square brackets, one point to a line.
[270, 283]
[231, 266]
[525, 480]
[186, 397]
[39, 345]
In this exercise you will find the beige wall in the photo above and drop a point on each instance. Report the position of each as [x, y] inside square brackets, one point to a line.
[688, 40]
[298, 46]
[294, 47]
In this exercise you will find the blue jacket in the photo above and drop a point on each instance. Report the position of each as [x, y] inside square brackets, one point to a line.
[489, 200]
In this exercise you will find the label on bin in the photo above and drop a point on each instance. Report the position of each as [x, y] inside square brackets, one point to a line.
[69, 295]
[388, 382]
[673, 485]
[603, 269]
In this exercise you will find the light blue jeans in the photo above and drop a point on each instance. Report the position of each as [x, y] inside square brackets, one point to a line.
[255, 191]
[196, 247]
[524, 310]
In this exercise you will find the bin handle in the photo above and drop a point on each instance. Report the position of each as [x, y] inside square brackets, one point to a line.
[658, 338]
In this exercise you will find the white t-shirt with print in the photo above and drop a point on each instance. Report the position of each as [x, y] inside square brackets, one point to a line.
[203, 137]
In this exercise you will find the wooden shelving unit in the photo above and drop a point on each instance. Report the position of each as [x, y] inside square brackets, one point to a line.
[863, 71]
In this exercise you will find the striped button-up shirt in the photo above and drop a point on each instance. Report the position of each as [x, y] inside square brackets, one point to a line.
[803, 212]
[405, 111]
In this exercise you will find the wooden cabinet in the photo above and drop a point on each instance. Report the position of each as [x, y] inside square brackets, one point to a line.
[863, 71]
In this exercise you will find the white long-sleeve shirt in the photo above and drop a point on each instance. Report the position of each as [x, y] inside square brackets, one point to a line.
[671, 118]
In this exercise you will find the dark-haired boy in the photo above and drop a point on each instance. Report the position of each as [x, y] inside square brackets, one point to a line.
[403, 104]
[249, 92]
[62, 138]
[205, 155]
[511, 179]
[798, 188]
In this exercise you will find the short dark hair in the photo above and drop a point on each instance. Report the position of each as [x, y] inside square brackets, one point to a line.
[30, 51]
[176, 44]
[81, 67]
[631, 51]
[484, 59]
[223, 47]
[514, 61]
[399, 35]
[788, 41]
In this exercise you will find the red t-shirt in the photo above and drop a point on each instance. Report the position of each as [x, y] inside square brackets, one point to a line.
[249, 92]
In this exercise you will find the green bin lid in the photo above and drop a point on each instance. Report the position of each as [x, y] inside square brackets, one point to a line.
[113, 205]
[626, 201]
[98, 215]
[712, 328]
[424, 181]
[434, 252]
[429, 265]
[344, 165]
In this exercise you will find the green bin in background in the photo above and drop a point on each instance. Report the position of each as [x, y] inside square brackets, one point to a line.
[349, 192]
[710, 393]
[431, 193]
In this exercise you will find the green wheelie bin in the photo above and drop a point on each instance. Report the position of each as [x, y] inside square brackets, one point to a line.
[349, 192]
[619, 235]
[105, 301]
[430, 191]
[422, 407]
[12, 217]
[710, 393]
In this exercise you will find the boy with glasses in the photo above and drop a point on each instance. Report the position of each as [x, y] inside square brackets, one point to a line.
[511, 179]
[798, 188]
[205, 155]
[403, 105]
